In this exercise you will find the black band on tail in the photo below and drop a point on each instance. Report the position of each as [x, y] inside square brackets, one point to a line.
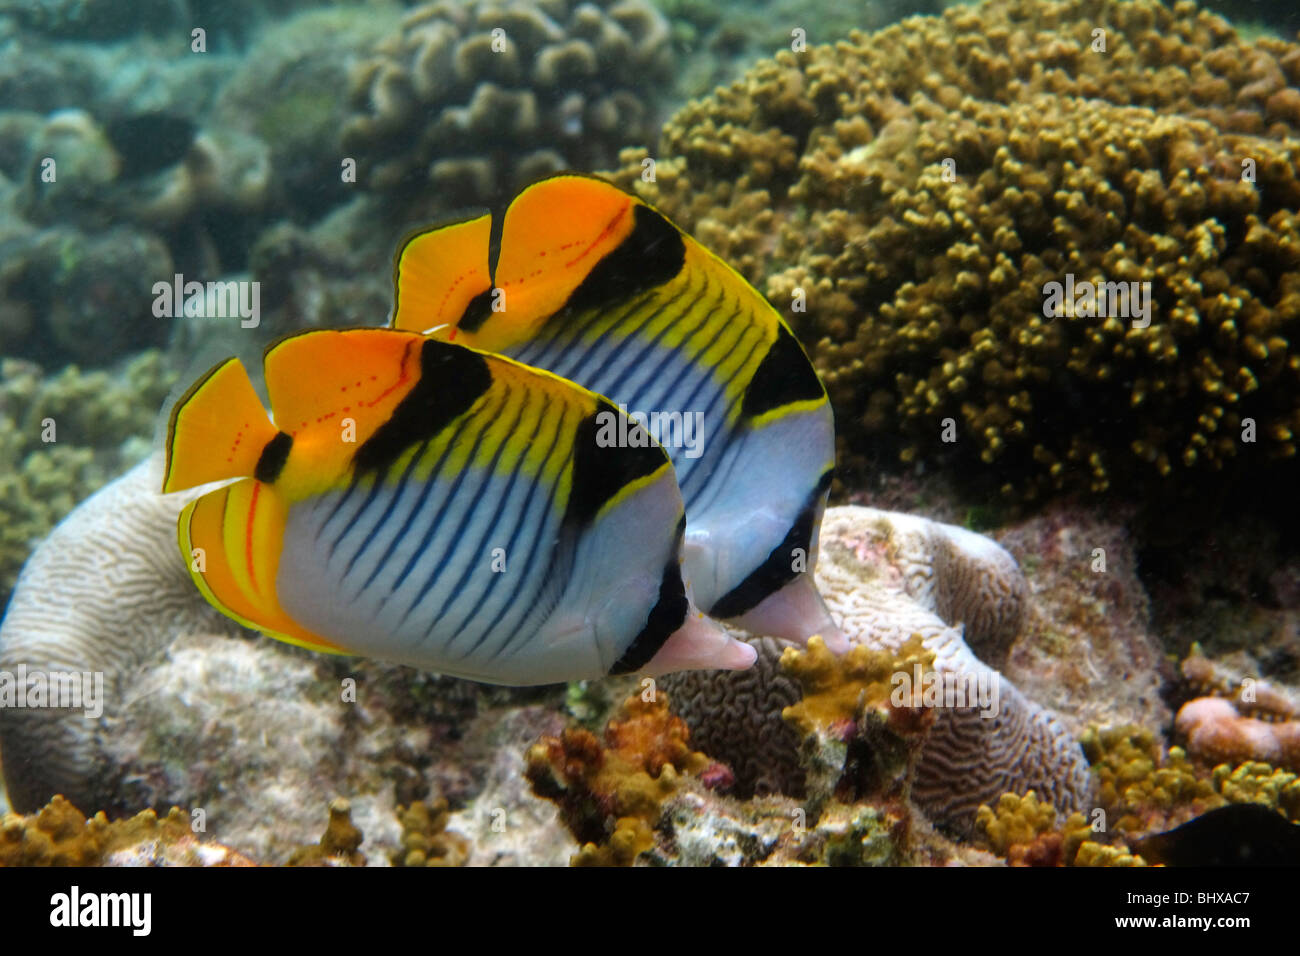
[777, 570]
[668, 614]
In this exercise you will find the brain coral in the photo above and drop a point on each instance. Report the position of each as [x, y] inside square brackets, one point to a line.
[921, 185]
[890, 577]
[449, 101]
[89, 416]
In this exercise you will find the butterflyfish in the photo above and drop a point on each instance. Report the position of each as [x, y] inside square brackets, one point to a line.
[601, 288]
[427, 503]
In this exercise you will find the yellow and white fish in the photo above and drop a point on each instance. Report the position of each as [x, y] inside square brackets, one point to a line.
[427, 503]
[599, 287]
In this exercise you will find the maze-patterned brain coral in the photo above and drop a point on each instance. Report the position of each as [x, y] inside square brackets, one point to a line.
[475, 99]
[921, 186]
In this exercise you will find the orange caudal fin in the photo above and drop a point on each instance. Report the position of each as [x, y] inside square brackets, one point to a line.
[232, 538]
[439, 273]
[217, 430]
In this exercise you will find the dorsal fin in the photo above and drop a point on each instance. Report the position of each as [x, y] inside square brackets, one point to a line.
[438, 274]
[555, 232]
[331, 390]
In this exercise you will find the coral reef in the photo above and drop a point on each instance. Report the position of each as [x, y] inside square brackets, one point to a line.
[1140, 786]
[426, 841]
[1023, 830]
[621, 814]
[1088, 648]
[60, 835]
[1217, 732]
[449, 103]
[610, 793]
[61, 438]
[825, 172]
[859, 738]
[889, 577]
[340, 844]
[1144, 788]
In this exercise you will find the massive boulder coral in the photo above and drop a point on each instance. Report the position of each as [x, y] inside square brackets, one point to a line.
[905, 198]
[476, 99]
[887, 578]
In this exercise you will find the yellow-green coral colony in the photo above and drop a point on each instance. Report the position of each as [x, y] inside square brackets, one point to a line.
[917, 192]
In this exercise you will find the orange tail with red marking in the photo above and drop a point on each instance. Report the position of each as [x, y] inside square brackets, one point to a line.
[232, 538]
[217, 430]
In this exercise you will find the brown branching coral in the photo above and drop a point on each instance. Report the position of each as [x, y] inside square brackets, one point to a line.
[859, 738]
[340, 844]
[426, 841]
[60, 835]
[906, 198]
[1024, 831]
[610, 793]
[476, 99]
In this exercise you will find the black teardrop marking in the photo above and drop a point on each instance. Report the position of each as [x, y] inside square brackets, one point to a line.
[452, 379]
[273, 457]
[477, 312]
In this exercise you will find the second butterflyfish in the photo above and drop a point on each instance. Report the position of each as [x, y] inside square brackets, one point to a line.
[428, 503]
[599, 287]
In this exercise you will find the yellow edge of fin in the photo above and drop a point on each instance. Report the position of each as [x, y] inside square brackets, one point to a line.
[216, 431]
[218, 583]
[632, 487]
[808, 405]
[438, 272]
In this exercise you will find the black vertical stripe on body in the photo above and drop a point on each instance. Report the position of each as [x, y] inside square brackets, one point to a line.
[775, 572]
[452, 378]
[651, 254]
[783, 377]
[667, 615]
[599, 473]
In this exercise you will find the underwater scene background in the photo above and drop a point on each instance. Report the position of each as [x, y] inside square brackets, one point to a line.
[1043, 254]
